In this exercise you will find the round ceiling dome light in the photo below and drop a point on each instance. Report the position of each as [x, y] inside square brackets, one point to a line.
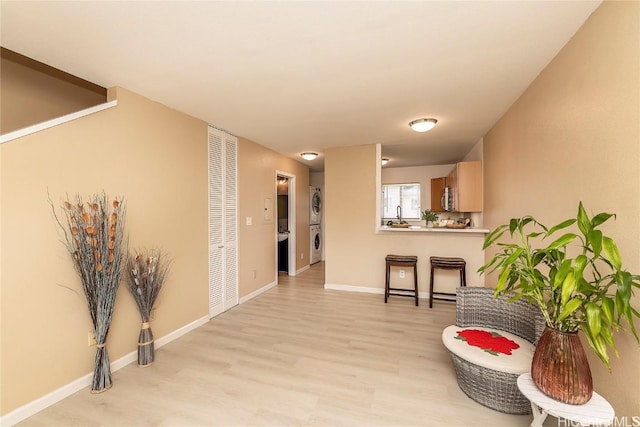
[423, 125]
[385, 160]
[309, 155]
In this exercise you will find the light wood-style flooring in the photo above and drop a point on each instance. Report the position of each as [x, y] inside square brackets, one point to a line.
[297, 355]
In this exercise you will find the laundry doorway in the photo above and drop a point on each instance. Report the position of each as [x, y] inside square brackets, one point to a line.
[286, 224]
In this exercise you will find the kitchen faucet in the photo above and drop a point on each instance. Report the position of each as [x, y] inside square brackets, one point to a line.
[399, 213]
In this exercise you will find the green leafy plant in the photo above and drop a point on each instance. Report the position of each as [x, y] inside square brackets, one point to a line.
[429, 216]
[589, 292]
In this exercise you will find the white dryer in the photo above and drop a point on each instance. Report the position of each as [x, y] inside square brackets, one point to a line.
[315, 206]
[315, 238]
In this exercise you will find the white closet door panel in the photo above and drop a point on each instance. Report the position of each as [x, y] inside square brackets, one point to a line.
[231, 276]
[223, 222]
[230, 189]
[216, 202]
[216, 281]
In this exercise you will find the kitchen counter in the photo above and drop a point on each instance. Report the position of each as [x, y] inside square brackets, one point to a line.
[439, 230]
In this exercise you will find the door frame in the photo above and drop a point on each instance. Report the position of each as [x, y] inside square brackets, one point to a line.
[291, 206]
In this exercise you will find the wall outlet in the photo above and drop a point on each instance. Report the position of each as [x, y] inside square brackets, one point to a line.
[253, 273]
[91, 339]
[402, 274]
[301, 255]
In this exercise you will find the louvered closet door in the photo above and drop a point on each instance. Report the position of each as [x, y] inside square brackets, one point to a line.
[223, 253]
[230, 221]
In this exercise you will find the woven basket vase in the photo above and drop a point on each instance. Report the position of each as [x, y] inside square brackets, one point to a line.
[560, 368]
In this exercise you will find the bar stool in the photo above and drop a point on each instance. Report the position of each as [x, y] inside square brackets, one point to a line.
[446, 264]
[401, 261]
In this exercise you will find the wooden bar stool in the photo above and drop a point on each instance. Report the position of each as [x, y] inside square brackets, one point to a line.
[401, 261]
[446, 264]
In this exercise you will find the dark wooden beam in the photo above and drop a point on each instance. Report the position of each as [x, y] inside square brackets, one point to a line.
[12, 56]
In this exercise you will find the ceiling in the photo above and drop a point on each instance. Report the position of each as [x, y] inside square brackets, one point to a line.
[306, 76]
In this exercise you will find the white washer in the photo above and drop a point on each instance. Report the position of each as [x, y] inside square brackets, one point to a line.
[315, 238]
[315, 206]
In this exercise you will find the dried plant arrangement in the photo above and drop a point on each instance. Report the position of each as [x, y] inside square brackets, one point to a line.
[94, 236]
[147, 271]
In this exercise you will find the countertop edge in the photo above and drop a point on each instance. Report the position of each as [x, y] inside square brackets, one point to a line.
[433, 230]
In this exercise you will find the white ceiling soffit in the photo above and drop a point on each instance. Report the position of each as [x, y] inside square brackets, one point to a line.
[305, 76]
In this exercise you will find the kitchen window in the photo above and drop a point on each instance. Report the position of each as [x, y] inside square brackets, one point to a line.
[407, 196]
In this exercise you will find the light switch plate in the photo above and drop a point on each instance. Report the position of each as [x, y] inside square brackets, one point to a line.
[249, 220]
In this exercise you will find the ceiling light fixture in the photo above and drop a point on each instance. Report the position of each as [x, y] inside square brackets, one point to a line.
[385, 160]
[422, 125]
[309, 155]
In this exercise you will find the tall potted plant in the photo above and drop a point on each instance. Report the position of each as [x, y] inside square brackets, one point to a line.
[578, 282]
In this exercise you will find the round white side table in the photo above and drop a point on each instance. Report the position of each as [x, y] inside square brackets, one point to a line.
[596, 412]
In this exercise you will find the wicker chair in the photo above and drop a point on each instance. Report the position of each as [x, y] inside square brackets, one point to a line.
[494, 389]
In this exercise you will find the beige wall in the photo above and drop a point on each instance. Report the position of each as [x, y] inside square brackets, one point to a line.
[257, 168]
[30, 96]
[156, 158]
[355, 252]
[574, 135]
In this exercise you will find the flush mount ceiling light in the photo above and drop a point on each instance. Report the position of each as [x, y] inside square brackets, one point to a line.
[309, 155]
[385, 160]
[423, 125]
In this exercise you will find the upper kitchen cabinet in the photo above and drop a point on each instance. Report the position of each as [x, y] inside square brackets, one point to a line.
[437, 193]
[465, 184]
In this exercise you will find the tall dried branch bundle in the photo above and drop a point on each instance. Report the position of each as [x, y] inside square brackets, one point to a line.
[147, 271]
[94, 236]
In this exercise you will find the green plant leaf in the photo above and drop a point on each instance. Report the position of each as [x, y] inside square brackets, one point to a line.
[563, 224]
[568, 286]
[598, 345]
[607, 336]
[620, 306]
[607, 307]
[537, 257]
[562, 241]
[514, 298]
[568, 308]
[595, 239]
[492, 263]
[600, 218]
[513, 256]
[514, 223]
[601, 350]
[632, 325]
[580, 264]
[611, 252]
[561, 274]
[593, 318]
[493, 236]
[584, 224]
[502, 279]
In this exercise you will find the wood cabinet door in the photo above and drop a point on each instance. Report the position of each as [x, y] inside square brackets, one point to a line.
[437, 189]
[468, 192]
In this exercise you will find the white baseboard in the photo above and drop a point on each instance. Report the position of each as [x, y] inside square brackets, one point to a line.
[305, 268]
[67, 390]
[351, 288]
[255, 293]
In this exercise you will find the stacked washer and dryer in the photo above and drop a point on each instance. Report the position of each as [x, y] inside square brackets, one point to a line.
[315, 216]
